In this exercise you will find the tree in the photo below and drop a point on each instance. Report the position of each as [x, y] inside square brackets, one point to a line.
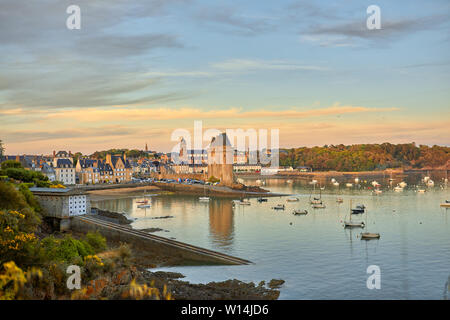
[2, 149]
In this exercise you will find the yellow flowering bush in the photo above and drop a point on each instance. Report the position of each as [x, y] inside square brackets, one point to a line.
[142, 291]
[12, 280]
[15, 242]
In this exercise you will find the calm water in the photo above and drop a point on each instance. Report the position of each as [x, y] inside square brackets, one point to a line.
[317, 257]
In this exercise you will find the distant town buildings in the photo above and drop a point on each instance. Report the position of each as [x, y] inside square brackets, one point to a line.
[113, 169]
[64, 168]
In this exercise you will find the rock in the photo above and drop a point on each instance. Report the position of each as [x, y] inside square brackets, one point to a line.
[275, 283]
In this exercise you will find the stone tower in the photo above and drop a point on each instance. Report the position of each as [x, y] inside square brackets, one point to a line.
[220, 160]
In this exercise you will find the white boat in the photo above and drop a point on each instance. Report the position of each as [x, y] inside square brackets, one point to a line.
[398, 189]
[402, 184]
[430, 183]
[349, 185]
[421, 191]
[336, 184]
[315, 201]
[377, 191]
[375, 184]
[350, 224]
[333, 180]
[425, 179]
[299, 212]
[318, 206]
[356, 180]
[242, 202]
[204, 198]
[369, 236]
[292, 199]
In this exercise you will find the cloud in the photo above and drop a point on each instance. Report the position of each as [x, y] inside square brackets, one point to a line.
[103, 115]
[228, 19]
[347, 33]
[251, 65]
[45, 65]
[79, 133]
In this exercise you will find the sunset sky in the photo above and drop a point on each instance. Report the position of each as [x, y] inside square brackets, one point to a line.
[137, 70]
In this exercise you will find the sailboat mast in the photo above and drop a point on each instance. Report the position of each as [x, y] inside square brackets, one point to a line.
[350, 210]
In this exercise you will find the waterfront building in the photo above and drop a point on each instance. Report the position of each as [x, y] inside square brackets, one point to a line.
[59, 205]
[64, 168]
[114, 169]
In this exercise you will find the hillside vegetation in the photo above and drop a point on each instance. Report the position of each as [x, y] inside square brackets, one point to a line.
[366, 157]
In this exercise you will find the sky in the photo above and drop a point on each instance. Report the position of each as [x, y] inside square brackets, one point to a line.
[138, 70]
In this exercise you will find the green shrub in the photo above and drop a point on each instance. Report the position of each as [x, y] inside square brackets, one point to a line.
[96, 241]
[11, 164]
[67, 249]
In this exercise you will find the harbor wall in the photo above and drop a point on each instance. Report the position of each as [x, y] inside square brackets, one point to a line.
[158, 246]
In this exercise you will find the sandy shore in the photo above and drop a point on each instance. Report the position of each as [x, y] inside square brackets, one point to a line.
[104, 194]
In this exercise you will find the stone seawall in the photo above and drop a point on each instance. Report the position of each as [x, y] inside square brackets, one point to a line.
[172, 250]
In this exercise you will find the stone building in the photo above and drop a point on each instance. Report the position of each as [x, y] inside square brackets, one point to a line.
[61, 204]
[64, 168]
[220, 160]
[114, 169]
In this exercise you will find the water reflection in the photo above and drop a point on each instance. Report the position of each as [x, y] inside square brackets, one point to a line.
[221, 222]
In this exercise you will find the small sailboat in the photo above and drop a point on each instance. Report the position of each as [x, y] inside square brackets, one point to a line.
[242, 202]
[402, 184]
[446, 204]
[292, 199]
[296, 212]
[369, 235]
[279, 207]
[143, 203]
[204, 198]
[316, 200]
[430, 183]
[318, 206]
[336, 184]
[353, 224]
[358, 209]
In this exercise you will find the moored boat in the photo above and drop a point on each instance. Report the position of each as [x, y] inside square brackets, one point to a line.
[296, 212]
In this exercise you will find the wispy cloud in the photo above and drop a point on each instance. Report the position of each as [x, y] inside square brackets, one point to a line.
[230, 19]
[252, 65]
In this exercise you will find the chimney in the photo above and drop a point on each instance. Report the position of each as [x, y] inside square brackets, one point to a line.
[108, 158]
